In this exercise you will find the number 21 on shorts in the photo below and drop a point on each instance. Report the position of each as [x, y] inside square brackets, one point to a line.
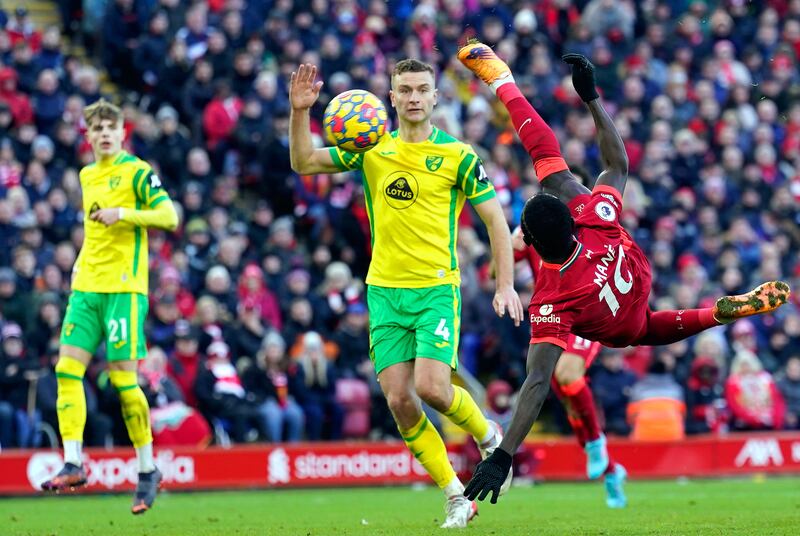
[118, 330]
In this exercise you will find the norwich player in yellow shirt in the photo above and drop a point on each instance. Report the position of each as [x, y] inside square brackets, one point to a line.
[122, 198]
[416, 181]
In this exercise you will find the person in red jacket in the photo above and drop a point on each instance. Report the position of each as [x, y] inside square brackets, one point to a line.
[185, 360]
[18, 102]
[253, 289]
[220, 116]
[752, 395]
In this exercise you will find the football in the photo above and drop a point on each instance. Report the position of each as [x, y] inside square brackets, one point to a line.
[355, 120]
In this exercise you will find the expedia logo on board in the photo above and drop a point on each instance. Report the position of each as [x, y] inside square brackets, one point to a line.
[400, 189]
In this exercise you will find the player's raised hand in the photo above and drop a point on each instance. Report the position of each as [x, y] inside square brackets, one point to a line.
[506, 298]
[517, 242]
[106, 216]
[303, 89]
[489, 476]
[582, 76]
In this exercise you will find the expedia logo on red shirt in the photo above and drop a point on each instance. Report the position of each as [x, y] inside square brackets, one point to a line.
[545, 316]
[400, 190]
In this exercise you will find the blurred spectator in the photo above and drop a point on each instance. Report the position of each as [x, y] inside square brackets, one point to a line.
[250, 329]
[352, 338]
[789, 386]
[122, 29]
[218, 286]
[221, 396]
[338, 290]
[20, 29]
[15, 303]
[268, 380]
[213, 321]
[706, 409]
[17, 372]
[162, 321]
[48, 101]
[173, 422]
[169, 284]
[185, 360]
[315, 379]
[498, 403]
[18, 102]
[253, 289]
[754, 399]
[219, 120]
[171, 146]
[611, 385]
[45, 331]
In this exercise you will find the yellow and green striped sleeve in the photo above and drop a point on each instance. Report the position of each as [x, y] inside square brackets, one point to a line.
[148, 188]
[471, 178]
[346, 161]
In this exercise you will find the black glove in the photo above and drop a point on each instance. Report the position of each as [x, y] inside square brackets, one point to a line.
[582, 76]
[489, 476]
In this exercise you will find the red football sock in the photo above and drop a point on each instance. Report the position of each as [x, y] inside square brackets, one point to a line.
[578, 429]
[582, 404]
[666, 327]
[537, 138]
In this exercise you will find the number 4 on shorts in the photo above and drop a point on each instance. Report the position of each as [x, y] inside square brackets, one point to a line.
[442, 330]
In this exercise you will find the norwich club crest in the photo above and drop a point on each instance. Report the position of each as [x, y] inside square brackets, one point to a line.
[114, 181]
[433, 162]
[400, 189]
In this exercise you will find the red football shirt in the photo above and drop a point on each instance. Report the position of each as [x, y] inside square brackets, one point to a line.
[600, 293]
[583, 348]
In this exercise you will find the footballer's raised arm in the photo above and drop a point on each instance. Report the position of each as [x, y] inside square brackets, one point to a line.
[303, 93]
[612, 150]
[542, 359]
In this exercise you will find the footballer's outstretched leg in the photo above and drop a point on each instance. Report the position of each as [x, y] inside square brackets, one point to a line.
[762, 299]
[615, 492]
[146, 491]
[70, 478]
[459, 512]
[481, 60]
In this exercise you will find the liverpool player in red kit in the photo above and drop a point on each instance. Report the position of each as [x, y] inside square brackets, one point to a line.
[569, 385]
[595, 281]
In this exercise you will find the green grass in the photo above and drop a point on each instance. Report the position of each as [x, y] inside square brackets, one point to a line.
[717, 507]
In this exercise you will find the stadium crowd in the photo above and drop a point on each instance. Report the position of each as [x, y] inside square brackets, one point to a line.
[258, 322]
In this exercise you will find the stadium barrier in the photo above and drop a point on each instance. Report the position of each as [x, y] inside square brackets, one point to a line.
[387, 463]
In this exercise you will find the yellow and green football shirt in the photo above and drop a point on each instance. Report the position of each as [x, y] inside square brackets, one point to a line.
[114, 259]
[414, 194]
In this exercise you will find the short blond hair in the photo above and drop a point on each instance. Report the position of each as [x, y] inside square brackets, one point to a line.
[100, 110]
[412, 66]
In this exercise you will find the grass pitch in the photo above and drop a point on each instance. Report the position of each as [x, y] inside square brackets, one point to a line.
[718, 507]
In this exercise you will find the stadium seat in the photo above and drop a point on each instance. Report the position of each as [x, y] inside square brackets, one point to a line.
[657, 419]
[353, 395]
